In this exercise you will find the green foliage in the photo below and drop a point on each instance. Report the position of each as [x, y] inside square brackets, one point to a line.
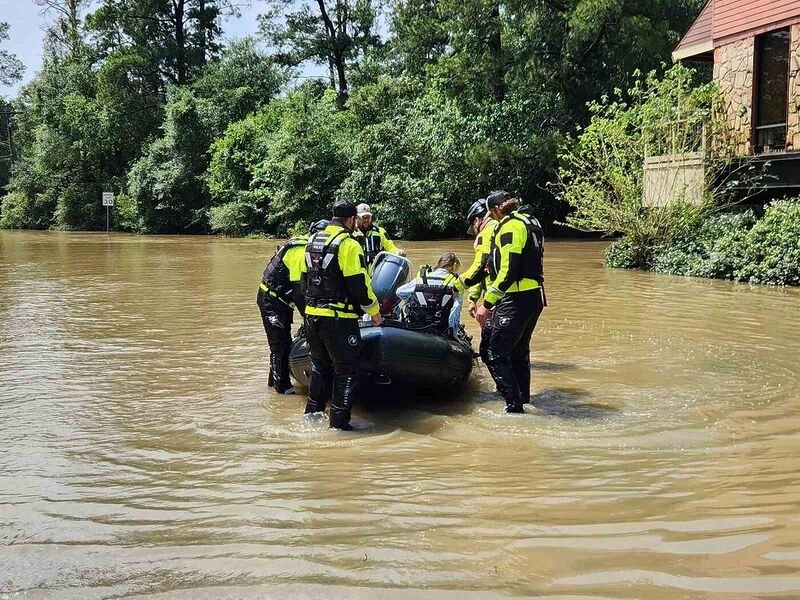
[281, 164]
[710, 248]
[140, 98]
[602, 172]
[20, 211]
[772, 247]
[623, 254]
[78, 131]
[735, 245]
[336, 34]
[11, 67]
[166, 184]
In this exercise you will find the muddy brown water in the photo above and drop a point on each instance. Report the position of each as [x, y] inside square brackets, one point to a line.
[141, 454]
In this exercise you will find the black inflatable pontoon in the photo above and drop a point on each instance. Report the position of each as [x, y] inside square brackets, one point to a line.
[394, 354]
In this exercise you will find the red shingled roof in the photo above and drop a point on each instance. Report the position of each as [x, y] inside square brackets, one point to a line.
[723, 21]
[699, 40]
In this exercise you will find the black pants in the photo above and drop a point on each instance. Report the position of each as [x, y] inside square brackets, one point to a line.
[483, 348]
[277, 319]
[508, 352]
[335, 353]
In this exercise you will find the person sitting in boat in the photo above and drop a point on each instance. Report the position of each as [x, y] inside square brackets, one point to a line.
[433, 300]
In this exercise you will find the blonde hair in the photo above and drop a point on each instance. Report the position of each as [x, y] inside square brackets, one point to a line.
[448, 261]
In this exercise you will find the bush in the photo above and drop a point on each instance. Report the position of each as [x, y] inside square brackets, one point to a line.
[709, 248]
[281, 164]
[14, 211]
[771, 252]
[623, 254]
[233, 218]
[735, 245]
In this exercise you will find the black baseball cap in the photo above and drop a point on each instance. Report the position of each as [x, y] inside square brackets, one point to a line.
[344, 209]
[495, 199]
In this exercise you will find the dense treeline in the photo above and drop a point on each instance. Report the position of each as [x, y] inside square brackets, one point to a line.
[428, 104]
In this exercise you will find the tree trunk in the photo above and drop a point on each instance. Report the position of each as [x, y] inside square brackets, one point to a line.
[180, 40]
[202, 26]
[335, 55]
[497, 75]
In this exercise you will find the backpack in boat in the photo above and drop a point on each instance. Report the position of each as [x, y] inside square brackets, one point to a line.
[430, 303]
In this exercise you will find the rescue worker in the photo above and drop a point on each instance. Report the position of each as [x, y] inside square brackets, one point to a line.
[434, 298]
[278, 293]
[514, 298]
[373, 239]
[337, 291]
[481, 224]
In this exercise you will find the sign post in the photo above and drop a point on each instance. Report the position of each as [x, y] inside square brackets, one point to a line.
[108, 201]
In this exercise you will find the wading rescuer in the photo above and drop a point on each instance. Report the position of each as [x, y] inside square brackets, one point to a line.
[373, 239]
[278, 294]
[514, 298]
[434, 298]
[481, 224]
[337, 291]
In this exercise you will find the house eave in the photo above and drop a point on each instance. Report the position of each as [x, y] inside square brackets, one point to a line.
[701, 52]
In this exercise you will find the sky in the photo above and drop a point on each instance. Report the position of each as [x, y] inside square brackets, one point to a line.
[27, 31]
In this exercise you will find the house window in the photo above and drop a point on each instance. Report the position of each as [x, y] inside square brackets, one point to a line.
[772, 91]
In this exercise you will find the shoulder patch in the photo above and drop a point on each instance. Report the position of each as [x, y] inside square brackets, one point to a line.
[506, 238]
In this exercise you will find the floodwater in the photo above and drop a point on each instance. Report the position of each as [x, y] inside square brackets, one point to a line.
[141, 454]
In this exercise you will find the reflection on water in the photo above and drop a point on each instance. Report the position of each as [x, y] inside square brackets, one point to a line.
[143, 456]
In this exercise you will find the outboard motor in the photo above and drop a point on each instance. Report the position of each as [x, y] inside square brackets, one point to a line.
[389, 272]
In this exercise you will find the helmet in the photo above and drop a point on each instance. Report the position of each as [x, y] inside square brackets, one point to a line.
[477, 210]
[318, 226]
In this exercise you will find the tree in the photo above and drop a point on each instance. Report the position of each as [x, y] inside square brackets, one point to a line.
[166, 188]
[602, 176]
[335, 33]
[177, 37]
[64, 33]
[11, 68]
[280, 165]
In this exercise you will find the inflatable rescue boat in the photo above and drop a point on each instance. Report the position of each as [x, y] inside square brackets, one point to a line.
[394, 353]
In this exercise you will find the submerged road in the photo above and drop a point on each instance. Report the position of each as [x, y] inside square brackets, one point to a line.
[142, 456]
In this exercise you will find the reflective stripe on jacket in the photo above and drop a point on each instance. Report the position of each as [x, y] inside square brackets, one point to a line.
[374, 241]
[514, 252]
[355, 280]
[439, 277]
[477, 270]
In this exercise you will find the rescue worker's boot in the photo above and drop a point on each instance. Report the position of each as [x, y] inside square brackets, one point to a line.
[522, 373]
[279, 373]
[319, 391]
[503, 374]
[345, 388]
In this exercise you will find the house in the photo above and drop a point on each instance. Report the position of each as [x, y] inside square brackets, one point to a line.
[755, 48]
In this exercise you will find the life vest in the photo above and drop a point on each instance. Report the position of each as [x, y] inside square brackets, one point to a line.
[532, 255]
[372, 243]
[429, 305]
[323, 284]
[276, 280]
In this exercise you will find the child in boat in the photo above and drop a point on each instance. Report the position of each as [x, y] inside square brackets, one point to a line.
[433, 300]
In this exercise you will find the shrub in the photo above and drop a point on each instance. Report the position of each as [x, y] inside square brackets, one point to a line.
[233, 218]
[281, 164]
[734, 245]
[771, 253]
[711, 247]
[14, 211]
[622, 254]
